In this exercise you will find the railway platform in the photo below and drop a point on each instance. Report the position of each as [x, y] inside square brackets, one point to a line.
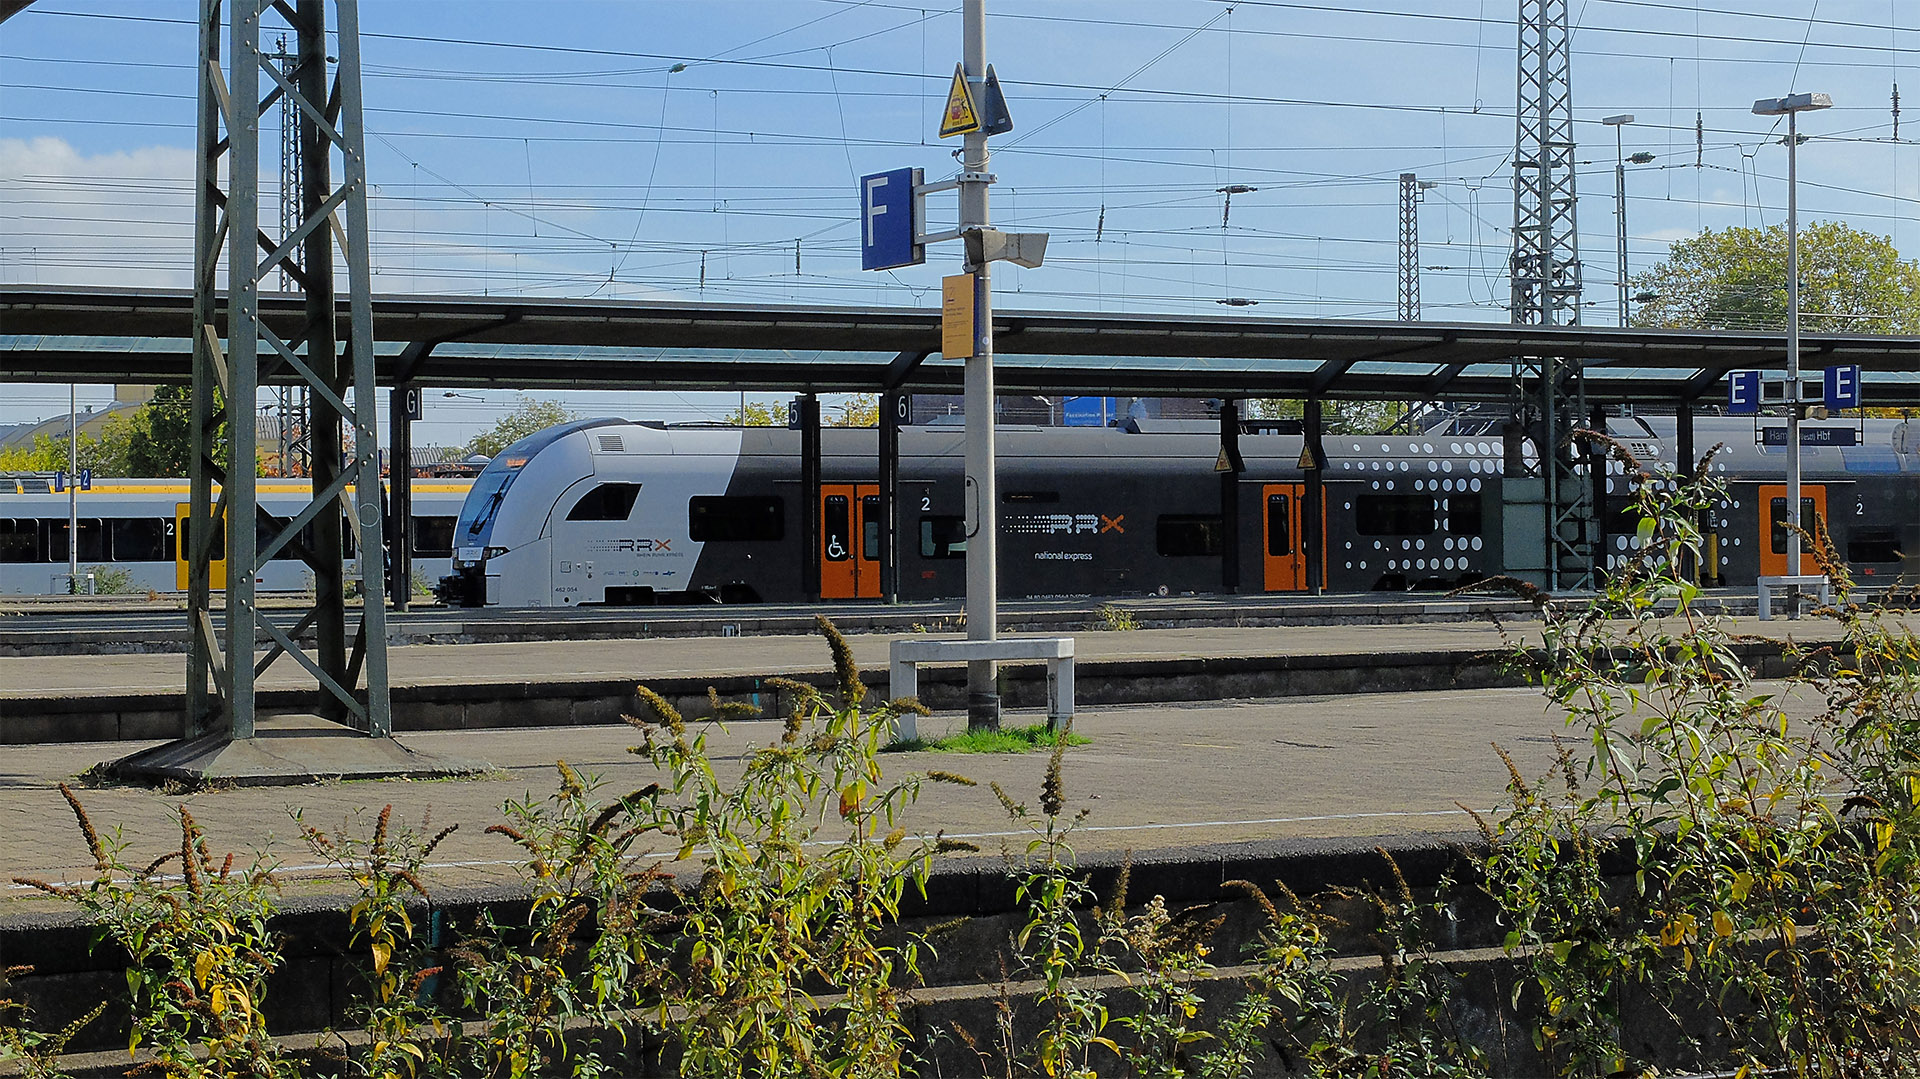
[557, 683]
[1194, 778]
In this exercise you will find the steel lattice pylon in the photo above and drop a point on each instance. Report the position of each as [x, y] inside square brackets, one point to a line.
[1409, 248]
[291, 401]
[228, 370]
[1548, 393]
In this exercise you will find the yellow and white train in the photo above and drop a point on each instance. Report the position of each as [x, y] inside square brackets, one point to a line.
[130, 529]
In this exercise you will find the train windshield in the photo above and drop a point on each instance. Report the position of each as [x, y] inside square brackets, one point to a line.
[482, 506]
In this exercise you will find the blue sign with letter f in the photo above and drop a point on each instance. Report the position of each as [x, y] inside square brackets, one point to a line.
[887, 225]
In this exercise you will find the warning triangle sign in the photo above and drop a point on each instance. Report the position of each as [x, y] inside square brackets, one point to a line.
[1306, 458]
[1223, 463]
[960, 117]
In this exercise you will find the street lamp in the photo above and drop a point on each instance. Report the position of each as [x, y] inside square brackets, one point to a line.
[1790, 107]
[1620, 201]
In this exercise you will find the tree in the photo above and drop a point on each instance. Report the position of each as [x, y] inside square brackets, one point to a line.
[1341, 417]
[858, 410]
[1736, 279]
[532, 415]
[152, 440]
[759, 414]
[47, 454]
[159, 437]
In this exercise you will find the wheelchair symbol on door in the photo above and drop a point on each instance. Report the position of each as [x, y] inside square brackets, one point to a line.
[834, 549]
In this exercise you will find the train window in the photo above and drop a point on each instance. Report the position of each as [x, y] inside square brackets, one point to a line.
[607, 502]
[186, 543]
[19, 540]
[834, 527]
[93, 541]
[1279, 534]
[1623, 517]
[736, 518]
[1464, 515]
[139, 539]
[1044, 497]
[433, 537]
[870, 528]
[1393, 515]
[1179, 535]
[267, 528]
[1873, 545]
[1778, 511]
[943, 537]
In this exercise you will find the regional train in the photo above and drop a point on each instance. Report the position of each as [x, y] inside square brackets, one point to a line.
[129, 528]
[611, 512]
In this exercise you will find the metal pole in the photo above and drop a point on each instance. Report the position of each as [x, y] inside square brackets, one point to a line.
[1310, 517]
[1793, 363]
[73, 493]
[983, 698]
[1620, 219]
[1230, 497]
[890, 408]
[237, 489]
[810, 494]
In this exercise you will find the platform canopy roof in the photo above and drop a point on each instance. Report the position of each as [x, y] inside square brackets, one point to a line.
[100, 336]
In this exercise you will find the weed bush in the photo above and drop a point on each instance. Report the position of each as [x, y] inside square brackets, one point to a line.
[1769, 833]
[782, 913]
[199, 950]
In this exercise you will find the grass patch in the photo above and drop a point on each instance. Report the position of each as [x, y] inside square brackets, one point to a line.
[1004, 740]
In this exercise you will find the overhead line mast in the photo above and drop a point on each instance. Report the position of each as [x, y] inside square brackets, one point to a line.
[1549, 397]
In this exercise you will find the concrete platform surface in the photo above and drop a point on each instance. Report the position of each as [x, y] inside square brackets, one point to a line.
[539, 661]
[1154, 777]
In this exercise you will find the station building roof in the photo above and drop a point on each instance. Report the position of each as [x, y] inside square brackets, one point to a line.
[95, 335]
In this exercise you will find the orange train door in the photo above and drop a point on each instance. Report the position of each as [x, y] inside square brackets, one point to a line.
[1773, 525]
[217, 570]
[849, 541]
[1280, 521]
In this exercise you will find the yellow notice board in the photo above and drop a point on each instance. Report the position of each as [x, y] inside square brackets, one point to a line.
[956, 316]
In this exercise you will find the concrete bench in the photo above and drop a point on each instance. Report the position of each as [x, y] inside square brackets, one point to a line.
[1814, 581]
[905, 655]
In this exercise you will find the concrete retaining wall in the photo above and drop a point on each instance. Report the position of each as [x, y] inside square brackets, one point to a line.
[568, 702]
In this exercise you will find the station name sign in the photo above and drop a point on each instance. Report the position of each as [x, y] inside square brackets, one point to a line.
[1812, 436]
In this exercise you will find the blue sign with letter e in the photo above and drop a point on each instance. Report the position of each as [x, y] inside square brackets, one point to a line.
[1743, 393]
[1841, 387]
[887, 225]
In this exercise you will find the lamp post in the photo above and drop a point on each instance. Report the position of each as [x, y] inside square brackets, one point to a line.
[1620, 202]
[1790, 107]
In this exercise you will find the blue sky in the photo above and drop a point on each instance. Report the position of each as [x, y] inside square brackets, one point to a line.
[553, 150]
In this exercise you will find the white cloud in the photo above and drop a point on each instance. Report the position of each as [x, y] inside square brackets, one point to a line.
[122, 219]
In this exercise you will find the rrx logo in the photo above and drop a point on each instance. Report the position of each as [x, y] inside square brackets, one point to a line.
[642, 546]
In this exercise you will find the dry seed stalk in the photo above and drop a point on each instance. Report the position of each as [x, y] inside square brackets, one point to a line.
[98, 849]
